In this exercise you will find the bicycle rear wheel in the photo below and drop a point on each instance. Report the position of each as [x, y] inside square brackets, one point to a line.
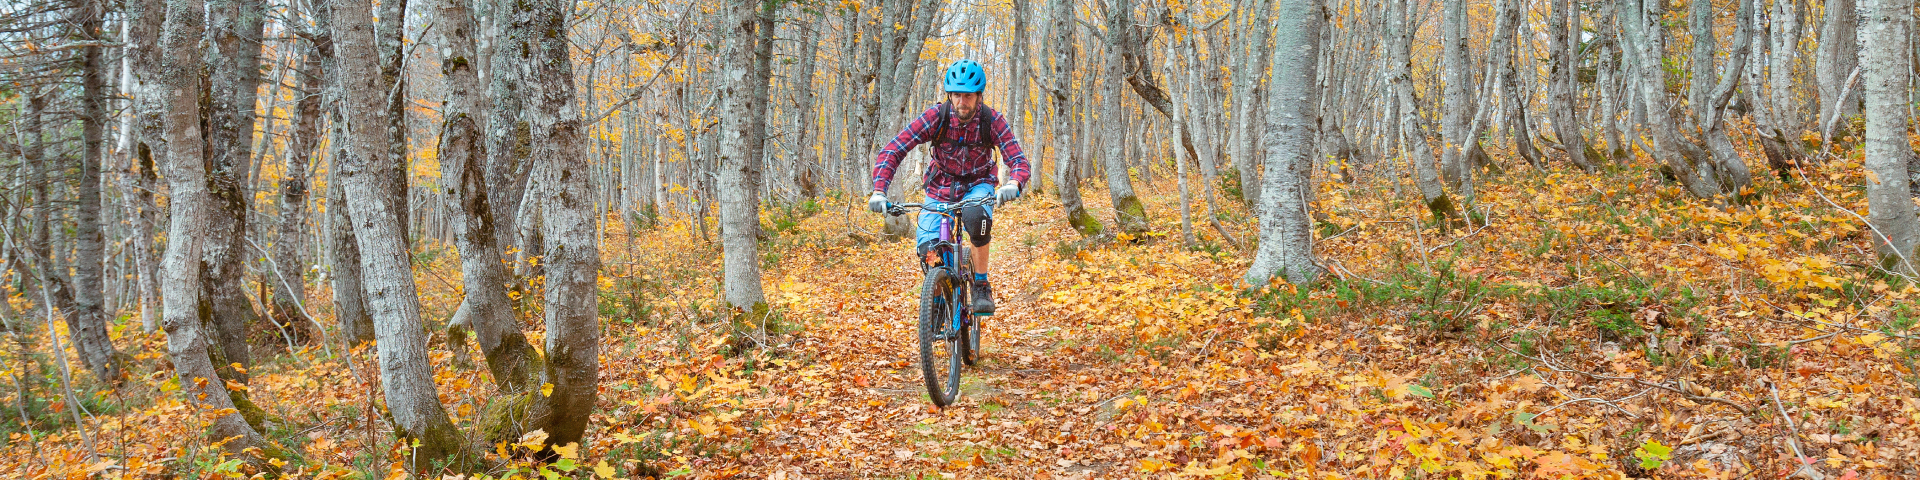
[939, 347]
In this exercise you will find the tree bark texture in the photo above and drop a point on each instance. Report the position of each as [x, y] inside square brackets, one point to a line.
[1286, 225]
[571, 224]
[1414, 144]
[1839, 55]
[88, 323]
[1712, 92]
[509, 140]
[406, 373]
[1512, 97]
[486, 310]
[807, 171]
[1682, 160]
[739, 216]
[1060, 44]
[289, 306]
[149, 148]
[390, 34]
[1458, 112]
[234, 32]
[1563, 30]
[1887, 67]
[1245, 81]
[1128, 213]
[191, 205]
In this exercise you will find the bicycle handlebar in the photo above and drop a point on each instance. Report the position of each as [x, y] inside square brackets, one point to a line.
[898, 209]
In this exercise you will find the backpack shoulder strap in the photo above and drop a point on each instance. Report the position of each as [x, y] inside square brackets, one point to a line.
[986, 127]
[940, 123]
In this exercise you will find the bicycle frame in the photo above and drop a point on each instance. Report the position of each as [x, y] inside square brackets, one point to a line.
[950, 258]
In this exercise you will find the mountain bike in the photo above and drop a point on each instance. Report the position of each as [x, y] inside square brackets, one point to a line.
[949, 331]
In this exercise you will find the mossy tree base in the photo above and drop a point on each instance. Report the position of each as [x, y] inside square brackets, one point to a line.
[1084, 223]
[1130, 214]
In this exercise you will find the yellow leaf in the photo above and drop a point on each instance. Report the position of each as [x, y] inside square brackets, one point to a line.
[570, 450]
[1150, 465]
[602, 470]
[546, 390]
[533, 440]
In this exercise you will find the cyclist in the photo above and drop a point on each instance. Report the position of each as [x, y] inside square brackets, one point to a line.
[964, 133]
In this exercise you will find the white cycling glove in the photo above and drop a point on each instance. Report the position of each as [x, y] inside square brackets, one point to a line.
[1008, 192]
[877, 203]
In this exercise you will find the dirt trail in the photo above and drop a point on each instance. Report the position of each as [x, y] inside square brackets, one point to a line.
[867, 415]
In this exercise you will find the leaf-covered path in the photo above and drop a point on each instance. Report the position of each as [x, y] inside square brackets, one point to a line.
[1595, 327]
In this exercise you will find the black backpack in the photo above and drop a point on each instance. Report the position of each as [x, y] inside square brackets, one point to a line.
[946, 116]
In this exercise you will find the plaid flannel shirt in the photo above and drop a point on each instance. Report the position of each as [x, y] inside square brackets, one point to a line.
[955, 168]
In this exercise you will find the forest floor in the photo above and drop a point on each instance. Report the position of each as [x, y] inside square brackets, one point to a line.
[1595, 326]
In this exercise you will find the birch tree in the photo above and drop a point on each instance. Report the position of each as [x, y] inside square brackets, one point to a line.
[1886, 66]
[289, 307]
[1066, 169]
[235, 28]
[1563, 28]
[1245, 81]
[1414, 145]
[406, 373]
[191, 203]
[485, 308]
[1129, 214]
[739, 216]
[572, 228]
[88, 322]
[1838, 58]
[1286, 227]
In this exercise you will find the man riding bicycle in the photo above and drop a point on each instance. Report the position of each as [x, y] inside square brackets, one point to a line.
[964, 133]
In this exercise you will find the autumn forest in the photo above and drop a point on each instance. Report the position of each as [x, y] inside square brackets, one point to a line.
[1406, 239]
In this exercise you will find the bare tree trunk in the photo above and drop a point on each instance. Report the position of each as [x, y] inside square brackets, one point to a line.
[1128, 213]
[289, 252]
[1839, 55]
[738, 215]
[406, 373]
[1561, 83]
[806, 170]
[1458, 112]
[1286, 225]
[191, 205]
[349, 291]
[233, 90]
[1683, 161]
[88, 324]
[1887, 71]
[148, 130]
[572, 226]
[1245, 81]
[486, 309]
[1414, 138]
[1786, 51]
[508, 140]
[1060, 43]
[389, 39]
[1018, 78]
[1711, 93]
[1512, 97]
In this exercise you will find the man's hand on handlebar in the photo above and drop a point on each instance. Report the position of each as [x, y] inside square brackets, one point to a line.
[877, 203]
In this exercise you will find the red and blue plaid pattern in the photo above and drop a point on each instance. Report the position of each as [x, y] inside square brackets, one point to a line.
[955, 167]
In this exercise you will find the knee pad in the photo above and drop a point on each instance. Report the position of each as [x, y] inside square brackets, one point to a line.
[979, 225]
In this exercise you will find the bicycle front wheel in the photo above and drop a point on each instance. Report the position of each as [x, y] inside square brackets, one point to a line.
[939, 346]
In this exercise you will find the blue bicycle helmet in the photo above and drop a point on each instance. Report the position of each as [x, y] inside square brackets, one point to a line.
[966, 76]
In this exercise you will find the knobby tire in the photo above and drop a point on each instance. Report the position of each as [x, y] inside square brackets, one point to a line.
[936, 309]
